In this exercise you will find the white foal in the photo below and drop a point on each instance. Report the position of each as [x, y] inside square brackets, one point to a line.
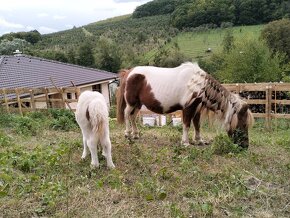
[92, 116]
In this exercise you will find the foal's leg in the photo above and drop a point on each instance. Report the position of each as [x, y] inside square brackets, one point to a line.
[127, 113]
[85, 151]
[92, 144]
[106, 146]
[134, 124]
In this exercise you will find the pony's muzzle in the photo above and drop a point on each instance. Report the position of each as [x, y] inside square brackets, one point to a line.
[241, 138]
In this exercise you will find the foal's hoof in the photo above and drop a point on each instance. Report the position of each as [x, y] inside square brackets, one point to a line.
[95, 166]
[136, 136]
[185, 144]
[111, 166]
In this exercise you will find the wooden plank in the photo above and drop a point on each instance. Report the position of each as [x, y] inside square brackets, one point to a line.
[255, 101]
[259, 115]
[284, 102]
[284, 116]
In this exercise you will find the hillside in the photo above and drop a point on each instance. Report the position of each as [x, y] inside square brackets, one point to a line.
[195, 44]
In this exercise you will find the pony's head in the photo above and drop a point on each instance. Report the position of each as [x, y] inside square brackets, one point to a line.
[242, 119]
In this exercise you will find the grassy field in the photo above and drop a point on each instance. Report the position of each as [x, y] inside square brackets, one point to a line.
[195, 44]
[41, 173]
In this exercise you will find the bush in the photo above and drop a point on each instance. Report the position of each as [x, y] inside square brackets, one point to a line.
[26, 125]
[62, 119]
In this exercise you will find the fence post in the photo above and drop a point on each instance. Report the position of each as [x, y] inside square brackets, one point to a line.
[18, 101]
[32, 100]
[6, 101]
[46, 98]
[268, 106]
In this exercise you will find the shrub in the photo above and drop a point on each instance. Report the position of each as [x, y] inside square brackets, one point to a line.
[63, 119]
[26, 125]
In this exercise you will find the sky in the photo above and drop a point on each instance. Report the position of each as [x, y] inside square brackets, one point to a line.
[47, 16]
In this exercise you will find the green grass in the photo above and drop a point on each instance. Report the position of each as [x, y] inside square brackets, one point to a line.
[195, 44]
[41, 174]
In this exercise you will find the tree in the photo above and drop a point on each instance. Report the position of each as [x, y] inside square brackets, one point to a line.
[109, 56]
[71, 56]
[7, 47]
[277, 36]
[251, 61]
[86, 57]
[169, 57]
[228, 41]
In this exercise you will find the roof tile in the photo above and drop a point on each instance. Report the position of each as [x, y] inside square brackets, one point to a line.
[34, 72]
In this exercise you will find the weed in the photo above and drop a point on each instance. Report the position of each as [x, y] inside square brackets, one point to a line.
[27, 126]
[175, 211]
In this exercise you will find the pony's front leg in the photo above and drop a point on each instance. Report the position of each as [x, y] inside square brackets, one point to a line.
[185, 139]
[127, 112]
[133, 117]
[196, 124]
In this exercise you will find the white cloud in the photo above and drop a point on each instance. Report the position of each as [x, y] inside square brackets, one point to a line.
[5, 23]
[44, 29]
[58, 17]
[42, 15]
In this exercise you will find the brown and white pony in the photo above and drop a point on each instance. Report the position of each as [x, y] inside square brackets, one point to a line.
[187, 88]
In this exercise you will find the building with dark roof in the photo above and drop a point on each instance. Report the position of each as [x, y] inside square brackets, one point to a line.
[22, 71]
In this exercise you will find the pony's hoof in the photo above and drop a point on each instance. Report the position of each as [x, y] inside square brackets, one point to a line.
[127, 135]
[201, 143]
[136, 137]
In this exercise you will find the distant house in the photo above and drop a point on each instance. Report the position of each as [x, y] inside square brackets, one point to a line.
[22, 71]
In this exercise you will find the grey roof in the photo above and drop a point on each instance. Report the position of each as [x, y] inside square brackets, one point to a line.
[33, 72]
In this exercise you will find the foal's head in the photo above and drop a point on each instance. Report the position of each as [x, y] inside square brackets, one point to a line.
[240, 123]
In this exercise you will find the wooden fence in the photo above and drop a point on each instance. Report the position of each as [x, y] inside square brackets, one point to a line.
[273, 98]
[261, 95]
[32, 99]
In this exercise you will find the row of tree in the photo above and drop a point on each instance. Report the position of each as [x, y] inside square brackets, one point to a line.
[251, 60]
[194, 13]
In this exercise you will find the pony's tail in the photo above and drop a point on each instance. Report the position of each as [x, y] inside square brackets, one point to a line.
[121, 103]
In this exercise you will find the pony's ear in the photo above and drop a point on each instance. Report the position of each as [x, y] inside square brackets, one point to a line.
[244, 109]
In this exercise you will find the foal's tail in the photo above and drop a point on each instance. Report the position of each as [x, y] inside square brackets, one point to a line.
[121, 102]
[98, 115]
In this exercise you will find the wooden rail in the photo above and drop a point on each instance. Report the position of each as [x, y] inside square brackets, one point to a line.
[269, 102]
[32, 99]
[270, 92]
[28, 99]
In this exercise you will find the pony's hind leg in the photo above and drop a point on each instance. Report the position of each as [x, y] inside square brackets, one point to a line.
[133, 117]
